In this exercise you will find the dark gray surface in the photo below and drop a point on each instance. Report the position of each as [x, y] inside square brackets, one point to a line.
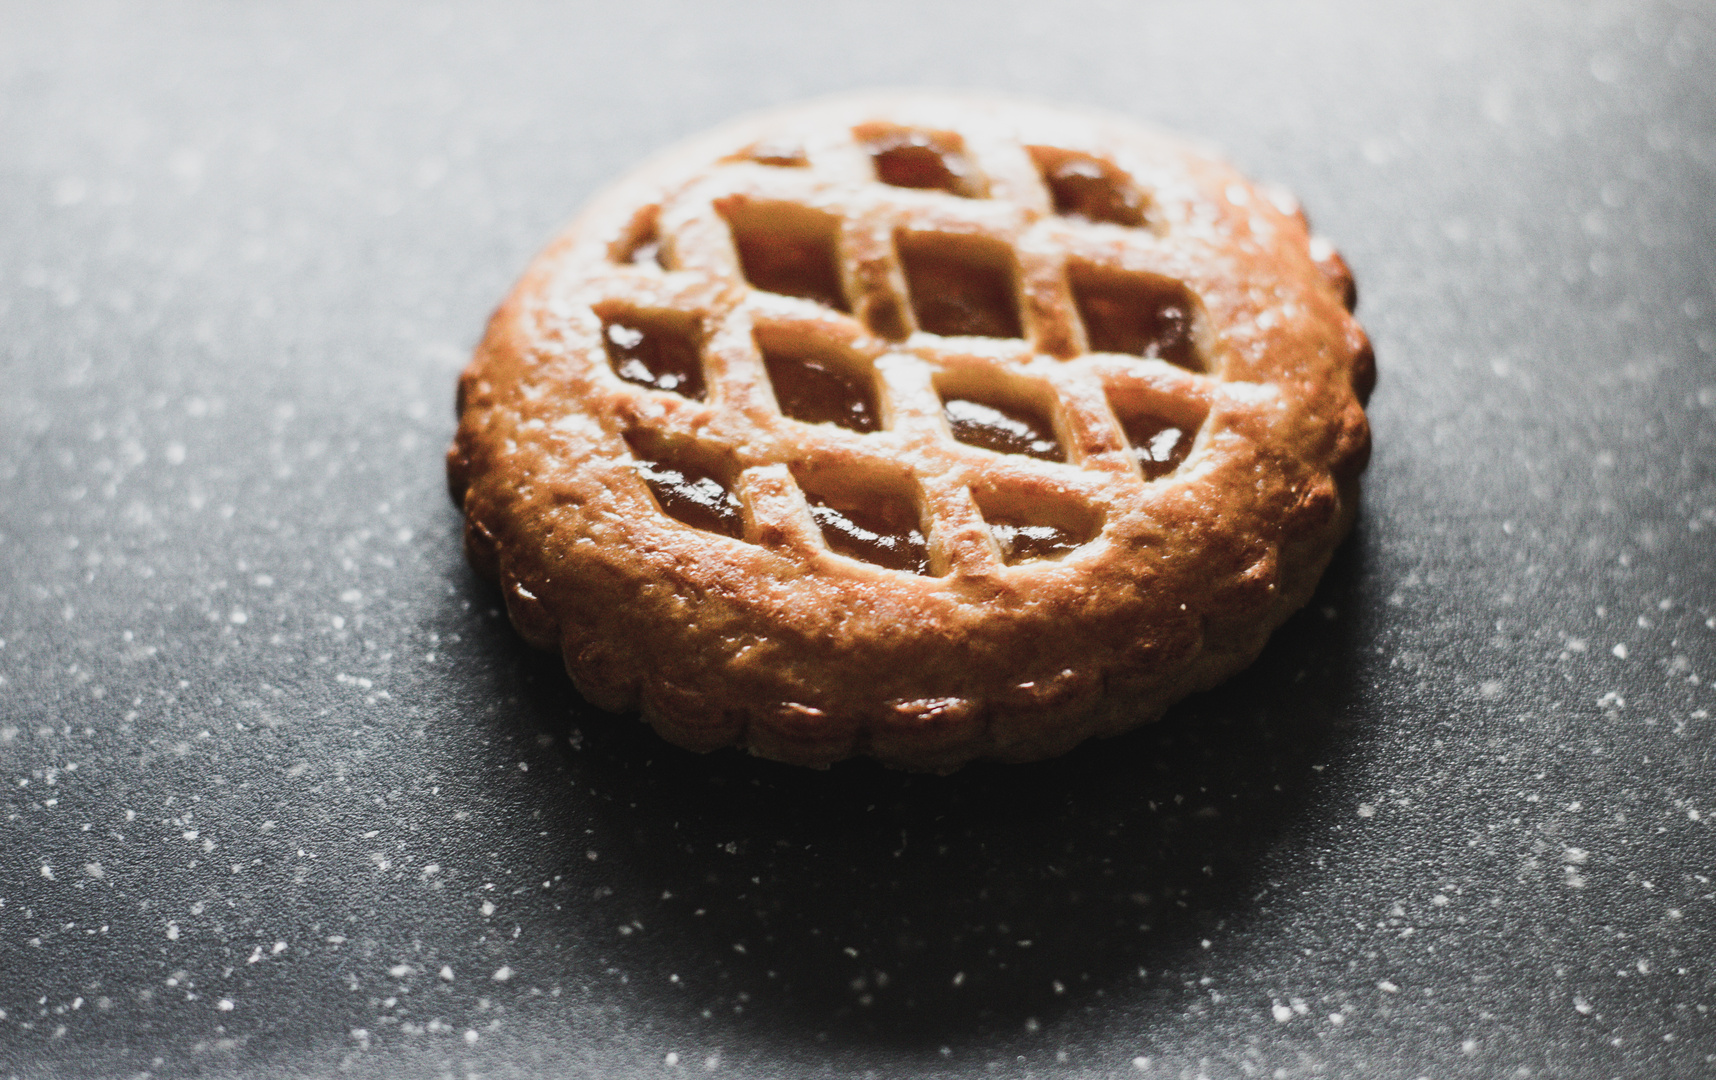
[269, 755]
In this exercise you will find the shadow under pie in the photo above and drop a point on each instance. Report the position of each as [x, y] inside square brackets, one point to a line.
[860, 906]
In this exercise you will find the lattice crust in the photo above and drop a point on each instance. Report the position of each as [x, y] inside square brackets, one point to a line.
[925, 428]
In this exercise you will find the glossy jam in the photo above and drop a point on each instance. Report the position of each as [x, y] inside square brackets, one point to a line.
[643, 245]
[1139, 314]
[886, 317]
[882, 529]
[789, 250]
[782, 155]
[960, 286]
[913, 159]
[1003, 430]
[818, 390]
[658, 352]
[1159, 445]
[1084, 187]
[693, 498]
[1021, 542]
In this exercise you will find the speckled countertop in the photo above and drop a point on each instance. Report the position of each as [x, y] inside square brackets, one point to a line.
[282, 792]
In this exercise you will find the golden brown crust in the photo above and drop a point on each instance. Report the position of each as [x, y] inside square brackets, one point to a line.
[1048, 235]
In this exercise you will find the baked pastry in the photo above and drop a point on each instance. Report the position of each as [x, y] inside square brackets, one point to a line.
[929, 428]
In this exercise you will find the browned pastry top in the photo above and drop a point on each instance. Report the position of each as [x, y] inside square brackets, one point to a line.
[924, 427]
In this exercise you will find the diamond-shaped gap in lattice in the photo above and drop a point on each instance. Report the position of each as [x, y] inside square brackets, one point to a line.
[1030, 525]
[658, 348]
[960, 285]
[1136, 314]
[787, 248]
[994, 411]
[817, 381]
[869, 518]
[1089, 188]
[918, 158]
[640, 243]
[1160, 428]
[689, 487]
[780, 153]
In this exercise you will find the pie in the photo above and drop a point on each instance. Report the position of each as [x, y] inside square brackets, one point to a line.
[923, 427]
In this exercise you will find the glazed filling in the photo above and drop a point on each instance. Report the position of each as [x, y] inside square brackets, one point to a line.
[1020, 542]
[1160, 445]
[1139, 314]
[883, 530]
[660, 353]
[644, 246]
[815, 390]
[1003, 430]
[960, 286]
[913, 159]
[693, 498]
[1093, 190]
[886, 316]
[783, 155]
[790, 250]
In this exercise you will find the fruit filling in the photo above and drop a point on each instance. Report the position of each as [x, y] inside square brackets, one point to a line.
[1138, 314]
[875, 528]
[788, 249]
[656, 349]
[693, 498]
[1089, 188]
[919, 159]
[1028, 527]
[820, 389]
[1160, 445]
[1020, 542]
[960, 285]
[1003, 429]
